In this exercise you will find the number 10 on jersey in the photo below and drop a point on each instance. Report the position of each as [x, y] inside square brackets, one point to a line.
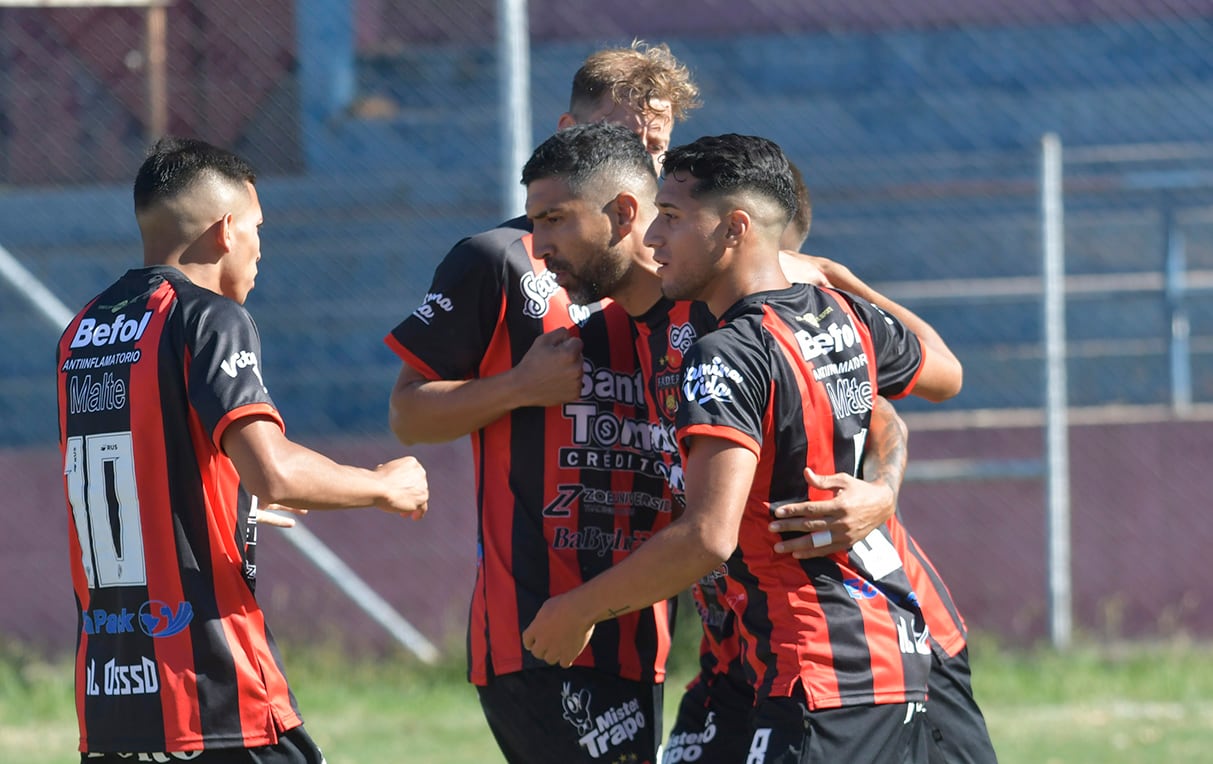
[100, 472]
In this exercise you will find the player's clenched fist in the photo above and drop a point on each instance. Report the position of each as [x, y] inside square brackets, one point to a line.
[408, 490]
[550, 372]
[559, 633]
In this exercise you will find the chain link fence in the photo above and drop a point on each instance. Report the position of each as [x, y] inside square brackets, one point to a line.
[375, 127]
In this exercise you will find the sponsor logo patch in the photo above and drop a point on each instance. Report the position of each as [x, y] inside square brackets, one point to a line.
[158, 620]
[86, 395]
[123, 329]
[142, 678]
[241, 359]
[688, 746]
[682, 336]
[600, 733]
[425, 312]
[711, 381]
[537, 290]
[597, 540]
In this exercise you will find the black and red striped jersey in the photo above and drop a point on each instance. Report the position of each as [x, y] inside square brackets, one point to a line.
[173, 651]
[792, 375]
[664, 333]
[562, 492]
[949, 633]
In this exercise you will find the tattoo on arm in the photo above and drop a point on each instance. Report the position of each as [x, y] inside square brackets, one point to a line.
[616, 613]
[888, 453]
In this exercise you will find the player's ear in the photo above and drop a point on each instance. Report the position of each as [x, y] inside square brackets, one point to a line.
[223, 233]
[625, 207]
[738, 223]
[566, 120]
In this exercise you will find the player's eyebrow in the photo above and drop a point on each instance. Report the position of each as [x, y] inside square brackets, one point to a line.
[545, 212]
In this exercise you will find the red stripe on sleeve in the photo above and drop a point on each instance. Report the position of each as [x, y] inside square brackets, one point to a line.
[252, 409]
[411, 358]
[717, 431]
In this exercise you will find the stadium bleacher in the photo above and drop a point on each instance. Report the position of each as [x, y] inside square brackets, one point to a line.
[920, 147]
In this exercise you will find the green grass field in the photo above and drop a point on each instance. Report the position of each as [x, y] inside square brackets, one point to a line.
[1124, 705]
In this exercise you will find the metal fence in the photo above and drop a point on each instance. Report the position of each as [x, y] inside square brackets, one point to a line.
[377, 130]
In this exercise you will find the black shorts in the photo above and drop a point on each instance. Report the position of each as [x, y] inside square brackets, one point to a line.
[713, 724]
[293, 747]
[572, 715]
[786, 732]
[957, 729]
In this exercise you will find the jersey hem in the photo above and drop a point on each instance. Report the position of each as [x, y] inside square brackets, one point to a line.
[822, 703]
[191, 744]
[482, 679]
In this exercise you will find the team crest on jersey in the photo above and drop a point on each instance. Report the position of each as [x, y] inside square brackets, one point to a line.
[665, 388]
[537, 290]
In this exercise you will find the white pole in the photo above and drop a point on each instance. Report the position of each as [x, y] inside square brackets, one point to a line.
[1057, 449]
[514, 86]
[1181, 330]
[362, 595]
[39, 296]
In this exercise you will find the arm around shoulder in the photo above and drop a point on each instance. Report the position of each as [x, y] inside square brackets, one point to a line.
[942, 374]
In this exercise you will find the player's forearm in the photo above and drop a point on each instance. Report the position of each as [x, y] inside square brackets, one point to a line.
[279, 471]
[887, 448]
[310, 480]
[441, 410]
[660, 568]
[845, 279]
[943, 374]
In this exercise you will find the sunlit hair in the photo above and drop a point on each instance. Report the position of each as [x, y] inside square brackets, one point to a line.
[601, 153]
[798, 226]
[728, 164]
[636, 75]
[175, 164]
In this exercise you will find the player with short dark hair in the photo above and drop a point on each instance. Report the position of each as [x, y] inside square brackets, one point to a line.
[712, 718]
[169, 439]
[567, 479]
[741, 200]
[798, 227]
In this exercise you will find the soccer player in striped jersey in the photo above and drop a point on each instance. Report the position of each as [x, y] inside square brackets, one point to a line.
[708, 729]
[169, 439]
[545, 637]
[567, 479]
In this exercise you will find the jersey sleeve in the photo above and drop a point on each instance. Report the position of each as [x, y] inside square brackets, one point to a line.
[225, 380]
[448, 335]
[725, 390]
[898, 350]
